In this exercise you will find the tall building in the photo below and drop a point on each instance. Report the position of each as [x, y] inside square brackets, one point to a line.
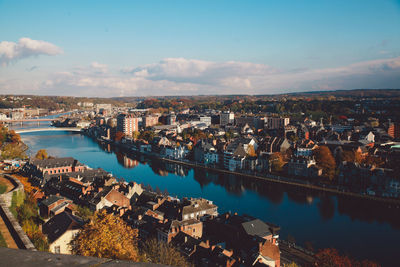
[149, 120]
[276, 123]
[127, 123]
[227, 117]
[394, 130]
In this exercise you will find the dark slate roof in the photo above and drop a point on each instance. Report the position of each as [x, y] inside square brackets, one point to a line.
[256, 227]
[52, 199]
[55, 162]
[59, 224]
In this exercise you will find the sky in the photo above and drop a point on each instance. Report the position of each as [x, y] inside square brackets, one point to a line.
[153, 48]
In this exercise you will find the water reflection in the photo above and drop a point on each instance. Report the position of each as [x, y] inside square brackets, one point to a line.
[356, 226]
[355, 208]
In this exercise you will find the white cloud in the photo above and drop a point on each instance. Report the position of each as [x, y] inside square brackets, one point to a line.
[98, 67]
[26, 47]
[179, 76]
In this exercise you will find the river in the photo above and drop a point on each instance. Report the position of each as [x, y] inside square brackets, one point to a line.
[360, 228]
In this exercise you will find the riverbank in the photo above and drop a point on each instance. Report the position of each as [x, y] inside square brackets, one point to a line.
[314, 219]
[267, 177]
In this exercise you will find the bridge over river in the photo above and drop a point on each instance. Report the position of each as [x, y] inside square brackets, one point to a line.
[47, 129]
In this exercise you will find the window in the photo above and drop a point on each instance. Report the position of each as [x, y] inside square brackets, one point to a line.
[57, 249]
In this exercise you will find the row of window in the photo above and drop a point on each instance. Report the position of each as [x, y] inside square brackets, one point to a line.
[56, 171]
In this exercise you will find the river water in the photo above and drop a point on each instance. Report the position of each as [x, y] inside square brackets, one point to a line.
[360, 228]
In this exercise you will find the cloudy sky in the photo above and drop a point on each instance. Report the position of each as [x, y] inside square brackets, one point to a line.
[143, 48]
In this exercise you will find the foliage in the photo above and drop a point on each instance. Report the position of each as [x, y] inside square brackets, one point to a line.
[325, 160]
[3, 243]
[106, 236]
[251, 152]
[27, 215]
[163, 253]
[277, 162]
[3, 188]
[292, 264]
[330, 257]
[13, 151]
[27, 185]
[41, 154]
[135, 135]
[17, 199]
[84, 212]
[147, 135]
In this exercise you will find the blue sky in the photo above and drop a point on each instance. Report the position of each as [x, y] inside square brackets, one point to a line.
[127, 48]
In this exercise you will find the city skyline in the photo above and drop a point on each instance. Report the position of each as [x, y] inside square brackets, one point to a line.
[102, 48]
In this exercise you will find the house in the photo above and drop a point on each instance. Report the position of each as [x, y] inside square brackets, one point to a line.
[169, 229]
[204, 151]
[197, 208]
[109, 197]
[234, 156]
[267, 254]
[174, 152]
[274, 144]
[300, 166]
[53, 205]
[60, 230]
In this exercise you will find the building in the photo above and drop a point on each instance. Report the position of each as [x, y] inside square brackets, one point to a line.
[149, 120]
[127, 124]
[276, 123]
[206, 120]
[394, 130]
[171, 119]
[105, 108]
[196, 208]
[226, 118]
[53, 205]
[42, 167]
[60, 230]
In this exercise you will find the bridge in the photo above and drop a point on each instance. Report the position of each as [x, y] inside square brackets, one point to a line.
[31, 120]
[49, 129]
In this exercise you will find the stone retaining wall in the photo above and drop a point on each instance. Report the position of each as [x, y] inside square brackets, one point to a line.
[18, 188]
[20, 237]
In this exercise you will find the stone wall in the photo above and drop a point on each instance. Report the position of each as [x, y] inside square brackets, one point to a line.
[20, 237]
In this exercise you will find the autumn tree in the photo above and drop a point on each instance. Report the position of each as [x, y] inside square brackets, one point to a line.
[330, 257]
[41, 154]
[325, 160]
[13, 137]
[277, 162]
[163, 253]
[251, 151]
[347, 156]
[135, 135]
[107, 236]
